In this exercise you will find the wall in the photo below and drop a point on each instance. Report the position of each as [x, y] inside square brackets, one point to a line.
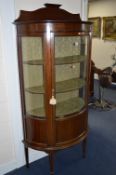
[73, 6]
[8, 103]
[11, 135]
[101, 49]
[6, 139]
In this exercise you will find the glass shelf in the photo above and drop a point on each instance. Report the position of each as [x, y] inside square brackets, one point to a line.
[70, 59]
[60, 60]
[35, 90]
[69, 106]
[38, 112]
[62, 108]
[34, 62]
[69, 85]
[62, 86]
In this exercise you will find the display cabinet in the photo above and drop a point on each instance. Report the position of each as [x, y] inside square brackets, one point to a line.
[54, 63]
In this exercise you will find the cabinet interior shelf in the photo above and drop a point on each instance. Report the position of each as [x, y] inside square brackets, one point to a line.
[63, 108]
[61, 86]
[59, 60]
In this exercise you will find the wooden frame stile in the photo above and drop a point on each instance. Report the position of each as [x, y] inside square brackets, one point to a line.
[88, 87]
[89, 66]
[52, 153]
[48, 87]
[89, 63]
[21, 79]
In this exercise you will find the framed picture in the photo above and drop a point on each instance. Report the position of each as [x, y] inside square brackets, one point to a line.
[109, 28]
[96, 26]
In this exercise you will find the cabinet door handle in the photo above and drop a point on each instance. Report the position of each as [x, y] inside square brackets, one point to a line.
[53, 101]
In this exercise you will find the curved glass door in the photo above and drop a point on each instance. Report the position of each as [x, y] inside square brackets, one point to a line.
[70, 74]
[32, 57]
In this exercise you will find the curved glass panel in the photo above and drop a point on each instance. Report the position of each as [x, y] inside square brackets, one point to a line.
[70, 73]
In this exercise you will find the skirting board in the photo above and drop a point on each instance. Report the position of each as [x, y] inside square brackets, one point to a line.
[11, 166]
[5, 168]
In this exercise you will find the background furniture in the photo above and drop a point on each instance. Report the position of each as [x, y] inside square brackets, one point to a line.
[93, 70]
[54, 64]
[105, 77]
[114, 77]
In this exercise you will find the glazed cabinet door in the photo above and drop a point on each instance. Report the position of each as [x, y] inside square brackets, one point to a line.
[70, 66]
[32, 80]
[71, 59]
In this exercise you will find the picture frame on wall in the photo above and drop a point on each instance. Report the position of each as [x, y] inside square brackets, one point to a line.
[96, 26]
[109, 28]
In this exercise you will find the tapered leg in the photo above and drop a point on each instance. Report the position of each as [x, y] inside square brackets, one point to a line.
[27, 157]
[51, 160]
[84, 144]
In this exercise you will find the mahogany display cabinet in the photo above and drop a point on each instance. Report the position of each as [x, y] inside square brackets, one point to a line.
[54, 49]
